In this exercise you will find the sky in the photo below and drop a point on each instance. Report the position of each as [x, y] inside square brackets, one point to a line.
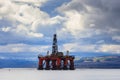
[81, 26]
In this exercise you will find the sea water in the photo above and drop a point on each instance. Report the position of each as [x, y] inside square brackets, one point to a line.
[78, 74]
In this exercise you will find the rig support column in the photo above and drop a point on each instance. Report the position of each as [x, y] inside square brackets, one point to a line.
[54, 64]
[72, 64]
[65, 64]
[47, 64]
[58, 63]
[40, 67]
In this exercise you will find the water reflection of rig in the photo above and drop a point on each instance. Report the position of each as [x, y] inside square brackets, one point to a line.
[56, 60]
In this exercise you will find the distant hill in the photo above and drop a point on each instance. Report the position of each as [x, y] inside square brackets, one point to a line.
[98, 62]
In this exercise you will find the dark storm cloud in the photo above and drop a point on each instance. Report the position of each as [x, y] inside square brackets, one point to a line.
[109, 23]
[108, 19]
[104, 15]
[109, 11]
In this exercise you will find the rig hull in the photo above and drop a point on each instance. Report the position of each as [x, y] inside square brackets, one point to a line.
[56, 63]
[57, 60]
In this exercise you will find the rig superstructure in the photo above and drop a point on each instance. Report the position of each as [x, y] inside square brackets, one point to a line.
[56, 60]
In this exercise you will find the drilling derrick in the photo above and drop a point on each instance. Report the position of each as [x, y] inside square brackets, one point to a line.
[56, 60]
[54, 46]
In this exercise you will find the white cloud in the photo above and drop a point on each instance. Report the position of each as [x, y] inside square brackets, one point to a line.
[106, 48]
[72, 47]
[31, 2]
[14, 48]
[74, 23]
[77, 20]
[35, 34]
[26, 19]
[5, 29]
[23, 30]
[117, 38]
[5, 7]
[75, 47]
[80, 19]
[100, 42]
[110, 48]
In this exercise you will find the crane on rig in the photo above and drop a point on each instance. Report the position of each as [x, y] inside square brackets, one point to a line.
[56, 60]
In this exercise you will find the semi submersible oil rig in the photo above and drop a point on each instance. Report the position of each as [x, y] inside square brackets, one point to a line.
[56, 60]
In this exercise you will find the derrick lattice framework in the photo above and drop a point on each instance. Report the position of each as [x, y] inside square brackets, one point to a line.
[55, 46]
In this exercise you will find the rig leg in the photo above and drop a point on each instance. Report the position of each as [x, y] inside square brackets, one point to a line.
[40, 67]
[53, 64]
[58, 64]
[47, 64]
[65, 64]
[72, 65]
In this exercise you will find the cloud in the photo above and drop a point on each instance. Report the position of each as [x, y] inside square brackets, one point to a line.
[75, 19]
[15, 48]
[82, 25]
[35, 3]
[116, 38]
[24, 16]
[104, 48]
[76, 47]
[5, 29]
[22, 30]
[28, 24]
[89, 18]
[110, 48]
